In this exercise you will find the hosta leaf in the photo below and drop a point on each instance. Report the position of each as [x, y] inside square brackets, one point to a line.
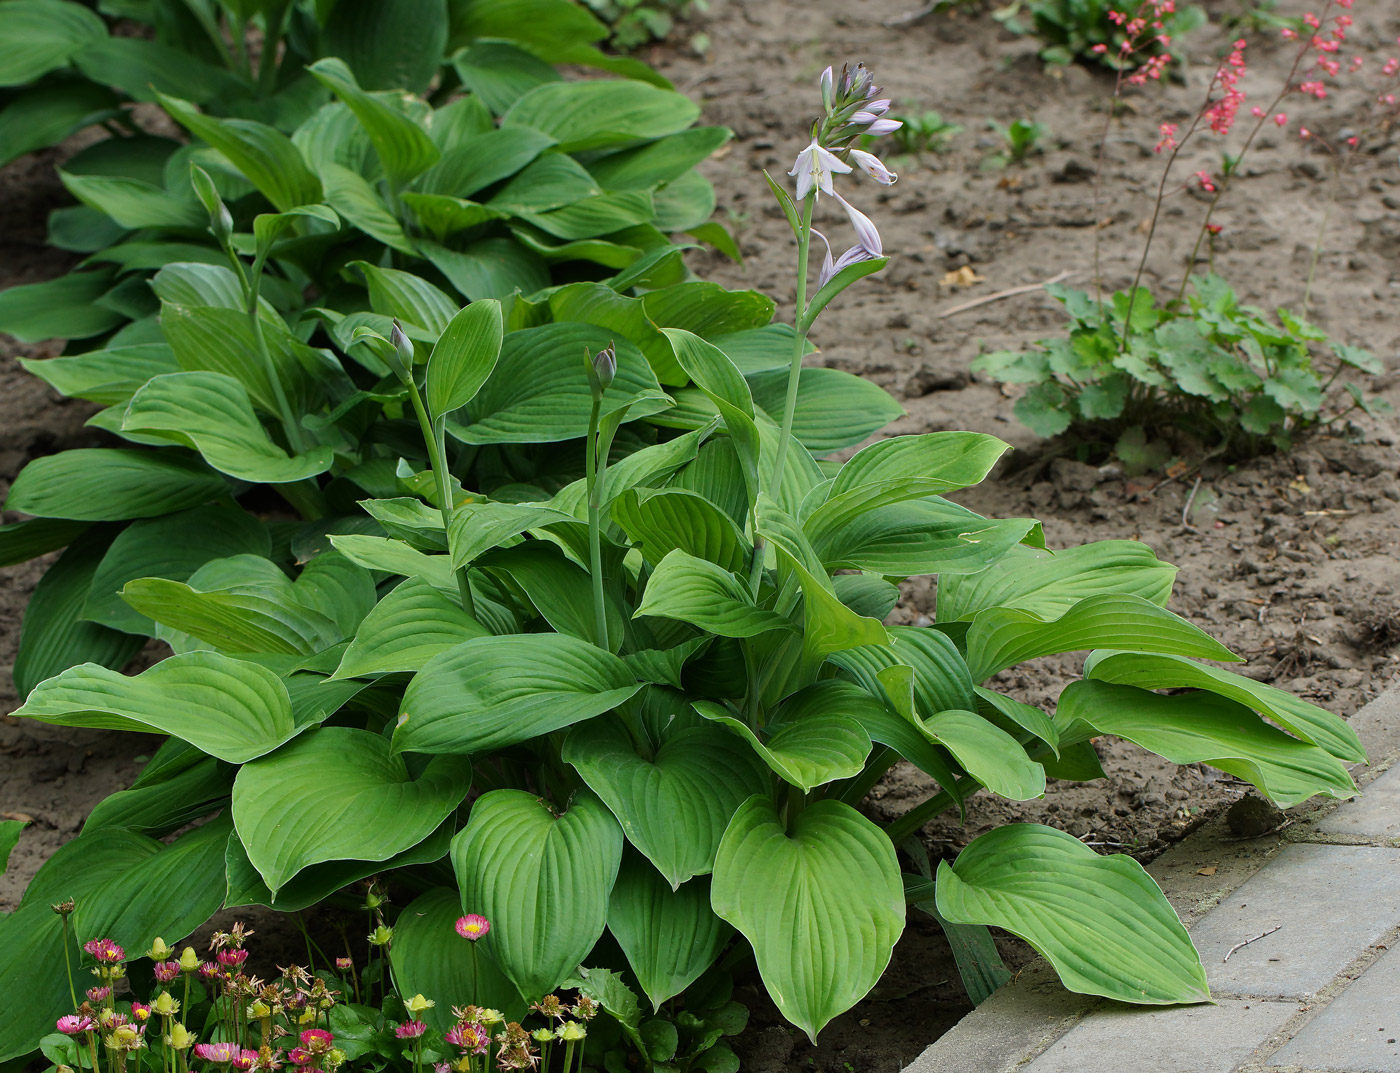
[407, 628]
[464, 356]
[809, 744]
[263, 154]
[395, 45]
[989, 754]
[226, 707]
[168, 804]
[415, 301]
[1003, 637]
[835, 409]
[662, 521]
[351, 195]
[670, 936]
[212, 413]
[481, 161]
[1100, 921]
[591, 115]
[132, 203]
[829, 625]
[550, 181]
[141, 69]
[106, 377]
[47, 113]
[102, 484]
[352, 798]
[173, 546]
[673, 806]
[1201, 727]
[559, 588]
[429, 959]
[479, 527]
[542, 879]
[62, 308]
[957, 459]
[22, 541]
[500, 74]
[697, 591]
[1050, 583]
[404, 148]
[41, 35]
[491, 692]
[489, 268]
[820, 900]
[1307, 721]
[658, 161]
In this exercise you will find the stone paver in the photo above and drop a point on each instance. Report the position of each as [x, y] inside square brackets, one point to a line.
[1182, 1039]
[1374, 816]
[1314, 892]
[1359, 1032]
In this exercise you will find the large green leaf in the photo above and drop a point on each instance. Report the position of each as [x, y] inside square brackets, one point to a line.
[538, 22]
[212, 413]
[1100, 921]
[662, 521]
[559, 588]
[404, 148]
[62, 308]
[954, 459]
[1050, 583]
[22, 541]
[141, 69]
[407, 628]
[819, 899]
[835, 409]
[479, 527]
[1003, 637]
[1307, 721]
[1201, 727]
[263, 154]
[464, 356]
[674, 805]
[670, 936]
[351, 195]
[988, 753]
[412, 299]
[429, 958]
[46, 114]
[167, 804]
[54, 635]
[132, 203]
[592, 115]
[351, 797]
[482, 160]
[173, 546]
[538, 392]
[103, 484]
[659, 161]
[541, 878]
[809, 743]
[41, 35]
[229, 709]
[389, 44]
[491, 692]
[106, 377]
[688, 589]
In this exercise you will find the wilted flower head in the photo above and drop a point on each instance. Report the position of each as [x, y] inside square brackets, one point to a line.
[105, 951]
[550, 1007]
[317, 1040]
[63, 908]
[76, 1023]
[410, 1029]
[124, 1038]
[585, 1008]
[472, 926]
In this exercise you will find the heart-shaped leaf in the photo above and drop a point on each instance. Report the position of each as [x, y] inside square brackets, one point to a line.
[352, 798]
[407, 628]
[464, 356]
[226, 707]
[662, 521]
[820, 900]
[491, 692]
[675, 806]
[542, 880]
[1101, 922]
[670, 936]
[810, 742]
[693, 590]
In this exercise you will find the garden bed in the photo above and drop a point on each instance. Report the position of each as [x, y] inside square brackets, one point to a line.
[1291, 561]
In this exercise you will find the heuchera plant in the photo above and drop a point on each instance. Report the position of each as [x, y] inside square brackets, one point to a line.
[650, 703]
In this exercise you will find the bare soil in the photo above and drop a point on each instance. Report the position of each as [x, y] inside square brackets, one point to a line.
[1290, 560]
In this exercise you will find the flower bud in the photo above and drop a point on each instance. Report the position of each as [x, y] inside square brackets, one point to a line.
[417, 1004]
[402, 364]
[189, 959]
[180, 1037]
[571, 1031]
[159, 951]
[165, 1005]
[381, 936]
[604, 365]
[826, 84]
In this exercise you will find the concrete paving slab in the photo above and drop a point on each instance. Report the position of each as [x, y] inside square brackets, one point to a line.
[1183, 1039]
[1359, 1032]
[1374, 816]
[1314, 891]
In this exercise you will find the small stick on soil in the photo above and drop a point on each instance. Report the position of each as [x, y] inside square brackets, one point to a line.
[1027, 289]
[1186, 510]
[1241, 946]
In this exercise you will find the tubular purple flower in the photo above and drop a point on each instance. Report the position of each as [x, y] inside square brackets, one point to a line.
[873, 166]
[877, 126]
[879, 107]
[814, 168]
[865, 230]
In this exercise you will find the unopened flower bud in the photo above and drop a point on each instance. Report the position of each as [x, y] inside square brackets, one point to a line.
[189, 959]
[381, 936]
[402, 364]
[571, 1031]
[605, 367]
[165, 1005]
[180, 1037]
[159, 951]
[417, 1004]
[826, 84]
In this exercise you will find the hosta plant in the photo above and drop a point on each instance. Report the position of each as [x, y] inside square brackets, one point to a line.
[630, 720]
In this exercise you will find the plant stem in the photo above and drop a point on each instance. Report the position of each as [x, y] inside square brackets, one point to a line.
[68, 964]
[799, 340]
[920, 814]
[276, 20]
[595, 467]
[435, 439]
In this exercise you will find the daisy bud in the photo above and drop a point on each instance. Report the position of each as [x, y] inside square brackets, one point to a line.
[189, 960]
[344, 964]
[159, 951]
[571, 1031]
[417, 1004]
[180, 1037]
[98, 994]
[165, 1005]
[873, 166]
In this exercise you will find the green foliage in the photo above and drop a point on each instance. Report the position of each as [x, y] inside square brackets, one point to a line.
[634, 23]
[1073, 30]
[1208, 374]
[1019, 139]
[922, 132]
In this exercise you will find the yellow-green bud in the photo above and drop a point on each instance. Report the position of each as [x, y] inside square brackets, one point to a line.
[189, 959]
[381, 936]
[165, 1005]
[490, 1017]
[159, 951]
[180, 1037]
[417, 1004]
[571, 1031]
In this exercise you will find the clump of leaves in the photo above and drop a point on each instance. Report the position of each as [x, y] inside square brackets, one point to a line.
[1140, 379]
[1090, 31]
[634, 23]
[1019, 139]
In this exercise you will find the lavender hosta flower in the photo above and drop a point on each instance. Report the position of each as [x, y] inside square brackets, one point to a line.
[865, 230]
[879, 125]
[76, 1024]
[814, 168]
[473, 926]
[854, 255]
[873, 166]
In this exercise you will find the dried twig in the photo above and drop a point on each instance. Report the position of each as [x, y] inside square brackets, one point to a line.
[1241, 946]
[1186, 510]
[1027, 289]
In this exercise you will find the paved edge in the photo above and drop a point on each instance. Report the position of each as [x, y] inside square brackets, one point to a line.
[1033, 1011]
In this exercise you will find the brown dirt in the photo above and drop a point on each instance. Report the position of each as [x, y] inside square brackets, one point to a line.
[1292, 561]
